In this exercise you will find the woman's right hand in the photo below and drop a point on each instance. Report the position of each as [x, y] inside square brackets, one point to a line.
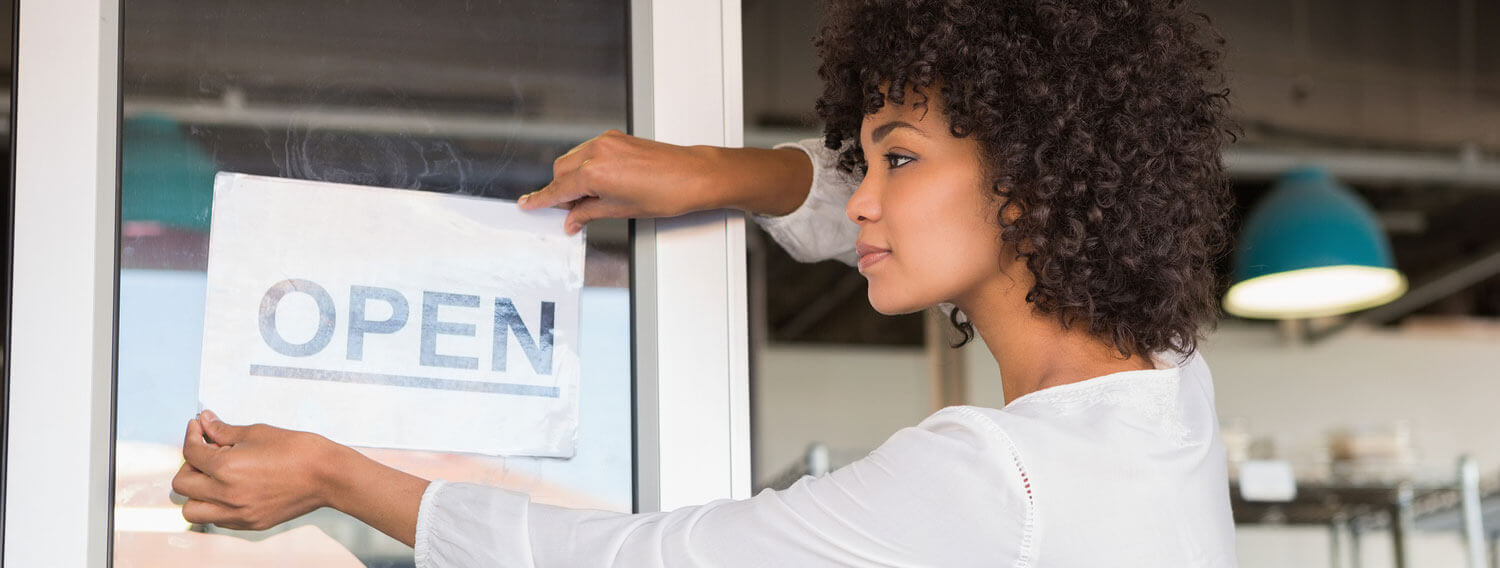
[616, 175]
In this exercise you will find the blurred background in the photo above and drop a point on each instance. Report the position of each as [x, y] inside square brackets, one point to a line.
[1398, 101]
[1371, 129]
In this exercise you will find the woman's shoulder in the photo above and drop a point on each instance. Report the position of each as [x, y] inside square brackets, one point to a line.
[961, 421]
[959, 439]
[1171, 403]
[972, 435]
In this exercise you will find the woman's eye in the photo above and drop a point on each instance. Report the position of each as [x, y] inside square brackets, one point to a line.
[897, 160]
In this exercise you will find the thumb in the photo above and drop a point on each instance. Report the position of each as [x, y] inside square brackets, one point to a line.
[221, 433]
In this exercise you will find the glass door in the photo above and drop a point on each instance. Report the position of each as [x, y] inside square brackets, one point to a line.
[119, 137]
[473, 99]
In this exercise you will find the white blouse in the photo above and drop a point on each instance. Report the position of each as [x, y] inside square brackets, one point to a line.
[1123, 470]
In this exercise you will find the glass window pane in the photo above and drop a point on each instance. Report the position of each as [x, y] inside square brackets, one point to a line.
[475, 98]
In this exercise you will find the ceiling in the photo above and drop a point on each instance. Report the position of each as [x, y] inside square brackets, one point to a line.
[1402, 97]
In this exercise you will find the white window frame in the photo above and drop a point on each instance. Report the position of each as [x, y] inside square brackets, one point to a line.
[692, 361]
[692, 392]
[60, 358]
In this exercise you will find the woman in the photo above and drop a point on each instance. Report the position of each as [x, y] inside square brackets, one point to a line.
[1049, 168]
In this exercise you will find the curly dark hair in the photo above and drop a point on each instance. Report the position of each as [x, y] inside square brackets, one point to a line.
[1100, 121]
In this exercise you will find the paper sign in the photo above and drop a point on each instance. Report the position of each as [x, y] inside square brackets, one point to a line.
[392, 318]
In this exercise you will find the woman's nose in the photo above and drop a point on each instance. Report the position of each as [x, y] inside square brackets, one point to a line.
[864, 205]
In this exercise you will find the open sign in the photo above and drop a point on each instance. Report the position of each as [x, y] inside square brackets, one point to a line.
[507, 321]
[392, 318]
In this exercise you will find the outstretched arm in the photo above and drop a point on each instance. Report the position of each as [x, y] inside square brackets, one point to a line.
[795, 191]
[948, 492]
[616, 175]
[256, 477]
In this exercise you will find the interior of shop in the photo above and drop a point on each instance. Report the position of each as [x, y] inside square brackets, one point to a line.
[1359, 435]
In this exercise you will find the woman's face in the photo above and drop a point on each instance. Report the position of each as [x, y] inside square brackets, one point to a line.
[928, 228]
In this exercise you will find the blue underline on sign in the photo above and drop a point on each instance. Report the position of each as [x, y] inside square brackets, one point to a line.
[400, 381]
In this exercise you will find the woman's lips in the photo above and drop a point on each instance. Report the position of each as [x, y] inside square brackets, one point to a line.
[869, 255]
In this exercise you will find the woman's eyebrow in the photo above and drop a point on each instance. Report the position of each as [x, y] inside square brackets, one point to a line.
[885, 129]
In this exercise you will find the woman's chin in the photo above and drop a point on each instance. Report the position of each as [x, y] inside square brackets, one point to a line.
[894, 306]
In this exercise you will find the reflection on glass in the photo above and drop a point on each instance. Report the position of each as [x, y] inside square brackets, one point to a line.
[466, 97]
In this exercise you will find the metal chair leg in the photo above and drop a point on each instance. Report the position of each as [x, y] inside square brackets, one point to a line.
[1473, 515]
[1336, 531]
[1402, 524]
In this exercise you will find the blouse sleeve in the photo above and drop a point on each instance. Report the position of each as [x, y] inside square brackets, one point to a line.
[948, 492]
[819, 229]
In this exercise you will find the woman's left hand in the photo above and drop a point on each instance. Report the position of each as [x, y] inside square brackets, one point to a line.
[252, 477]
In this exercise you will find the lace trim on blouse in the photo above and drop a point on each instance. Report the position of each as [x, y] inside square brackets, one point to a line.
[1024, 556]
[1153, 393]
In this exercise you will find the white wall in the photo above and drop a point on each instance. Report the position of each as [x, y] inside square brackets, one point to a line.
[1447, 385]
[851, 398]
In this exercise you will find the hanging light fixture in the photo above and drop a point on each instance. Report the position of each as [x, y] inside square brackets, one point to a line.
[1311, 248]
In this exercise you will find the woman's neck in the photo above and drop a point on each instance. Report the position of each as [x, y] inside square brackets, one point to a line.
[1033, 350]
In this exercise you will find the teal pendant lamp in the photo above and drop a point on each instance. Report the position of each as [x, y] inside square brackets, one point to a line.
[1312, 248]
[165, 177]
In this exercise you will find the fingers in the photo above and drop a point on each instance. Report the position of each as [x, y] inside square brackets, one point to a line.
[208, 512]
[221, 433]
[567, 185]
[201, 455]
[575, 155]
[194, 484]
[588, 210]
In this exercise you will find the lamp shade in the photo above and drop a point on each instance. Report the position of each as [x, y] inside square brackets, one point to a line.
[1311, 248]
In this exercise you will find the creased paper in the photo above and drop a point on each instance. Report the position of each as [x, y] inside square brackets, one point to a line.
[392, 318]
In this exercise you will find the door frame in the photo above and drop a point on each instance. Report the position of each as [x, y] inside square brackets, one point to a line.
[692, 353]
[61, 343]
